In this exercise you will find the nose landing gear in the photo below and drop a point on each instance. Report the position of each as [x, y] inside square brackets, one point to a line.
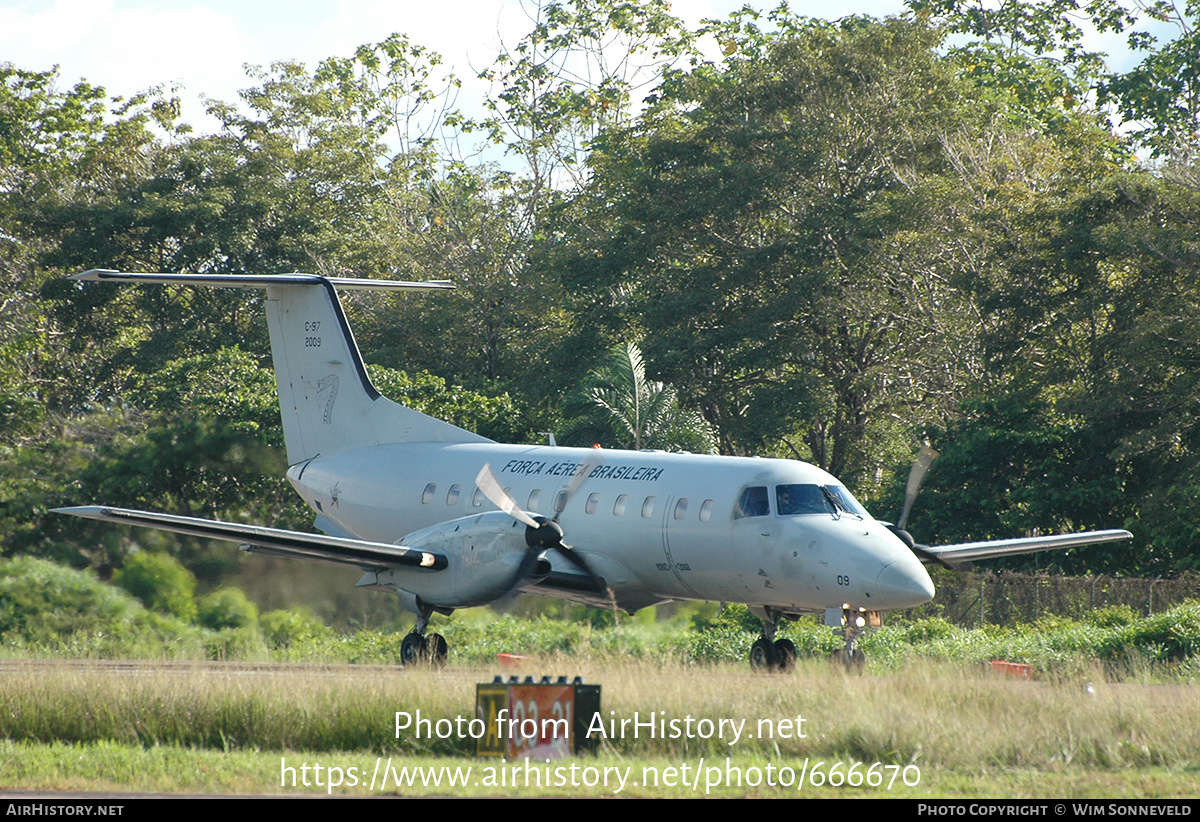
[853, 623]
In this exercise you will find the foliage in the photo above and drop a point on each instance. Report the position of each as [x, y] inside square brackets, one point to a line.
[1031, 53]
[283, 629]
[161, 583]
[1112, 615]
[640, 413]
[226, 385]
[736, 227]
[41, 602]
[226, 608]
[1160, 97]
[574, 74]
[495, 417]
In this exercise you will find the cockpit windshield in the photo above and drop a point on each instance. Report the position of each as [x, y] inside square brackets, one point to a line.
[792, 500]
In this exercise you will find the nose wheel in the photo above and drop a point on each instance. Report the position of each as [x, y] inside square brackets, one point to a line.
[849, 659]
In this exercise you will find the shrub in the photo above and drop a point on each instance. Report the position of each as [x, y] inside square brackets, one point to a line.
[227, 608]
[161, 583]
[283, 629]
[1112, 616]
[41, 601]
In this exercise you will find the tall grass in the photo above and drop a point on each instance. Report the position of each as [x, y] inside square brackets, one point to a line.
[937, 716]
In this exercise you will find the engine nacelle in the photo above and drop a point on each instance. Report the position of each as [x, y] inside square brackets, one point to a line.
[485, 552]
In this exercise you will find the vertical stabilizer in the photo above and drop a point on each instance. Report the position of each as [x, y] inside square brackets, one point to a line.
[326, 399]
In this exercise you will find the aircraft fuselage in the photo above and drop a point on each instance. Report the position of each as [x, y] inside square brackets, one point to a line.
[657, 526]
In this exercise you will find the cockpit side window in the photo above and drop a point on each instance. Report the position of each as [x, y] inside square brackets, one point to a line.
[753, 502]
[846, 501]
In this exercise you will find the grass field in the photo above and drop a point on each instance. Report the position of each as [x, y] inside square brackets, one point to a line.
[948, 730]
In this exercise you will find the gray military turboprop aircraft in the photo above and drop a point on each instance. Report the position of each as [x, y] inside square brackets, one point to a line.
[447, 519]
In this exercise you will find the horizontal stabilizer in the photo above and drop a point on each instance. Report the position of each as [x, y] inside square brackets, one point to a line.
[355, 552]
[970, 551]
[102, 275]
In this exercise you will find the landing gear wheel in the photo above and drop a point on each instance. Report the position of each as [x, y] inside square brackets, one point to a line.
[762, 654]
[435, 645]
[413, 649]
[850, 661]
[785, 654]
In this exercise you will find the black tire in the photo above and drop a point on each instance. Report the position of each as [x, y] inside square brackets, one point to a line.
[785, 654]
[437, 650]
[762, 655]
[413, 649]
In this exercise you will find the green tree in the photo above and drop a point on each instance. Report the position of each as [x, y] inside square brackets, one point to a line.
[642, 413]
[759, 228]
[1088, 417]
[1160, 96]
[1031, 54]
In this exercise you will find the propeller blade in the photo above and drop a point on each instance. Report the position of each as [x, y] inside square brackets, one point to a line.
[925, 458]
[575, 559]
[584, 471]
[546, 534]
[491, 488]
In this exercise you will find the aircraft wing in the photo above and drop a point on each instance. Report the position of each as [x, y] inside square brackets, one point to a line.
[969, 551]
[344, 551]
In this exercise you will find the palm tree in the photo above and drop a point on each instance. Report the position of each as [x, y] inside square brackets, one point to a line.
[644, 413]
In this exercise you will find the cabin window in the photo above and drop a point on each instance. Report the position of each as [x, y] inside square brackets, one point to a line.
[592, 502]
[681, 508]
[648, 508]
[430, 490]
[535, 499]
[753, 502]
[706, 510]
[452, 494]
[560, 502]
[477, 500]
[619, 505]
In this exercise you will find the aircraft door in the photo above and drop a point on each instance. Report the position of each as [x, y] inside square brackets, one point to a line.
[696, 549]
[677, 567]
[753, 543]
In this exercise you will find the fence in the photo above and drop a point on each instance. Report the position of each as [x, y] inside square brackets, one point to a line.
[972, 599]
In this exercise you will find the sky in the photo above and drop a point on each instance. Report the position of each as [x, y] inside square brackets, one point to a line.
[128, 46]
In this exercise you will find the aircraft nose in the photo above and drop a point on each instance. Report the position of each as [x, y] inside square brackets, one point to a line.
[904, 584]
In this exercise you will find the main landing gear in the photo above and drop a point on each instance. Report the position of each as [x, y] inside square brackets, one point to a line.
[768, 653]
[419, 648]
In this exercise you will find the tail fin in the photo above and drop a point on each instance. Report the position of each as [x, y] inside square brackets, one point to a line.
[326, 399]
